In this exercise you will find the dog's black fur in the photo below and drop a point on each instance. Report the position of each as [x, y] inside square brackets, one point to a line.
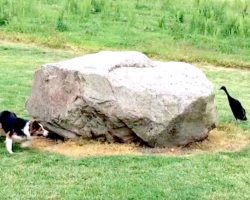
[15, 127]
[12, 124]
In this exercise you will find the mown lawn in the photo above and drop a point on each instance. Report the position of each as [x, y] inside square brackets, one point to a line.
[30, 174]
[196, 30]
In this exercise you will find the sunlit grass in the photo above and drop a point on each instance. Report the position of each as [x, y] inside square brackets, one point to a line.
[17, 68]
[237, 83]
[31, 174]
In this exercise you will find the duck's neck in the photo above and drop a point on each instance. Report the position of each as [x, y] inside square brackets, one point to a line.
[225, 90]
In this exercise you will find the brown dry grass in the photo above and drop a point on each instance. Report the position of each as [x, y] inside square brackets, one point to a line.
[223, 138]
[84, 148]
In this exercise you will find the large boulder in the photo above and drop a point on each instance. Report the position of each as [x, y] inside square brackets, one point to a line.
[124, 97]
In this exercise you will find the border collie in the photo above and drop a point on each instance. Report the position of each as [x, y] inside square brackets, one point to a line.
[20, 130]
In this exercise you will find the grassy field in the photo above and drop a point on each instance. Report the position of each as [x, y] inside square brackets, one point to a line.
[30, 174]
[215, 31]
[201, 31]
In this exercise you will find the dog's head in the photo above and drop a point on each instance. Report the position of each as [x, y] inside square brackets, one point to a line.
[36, 129]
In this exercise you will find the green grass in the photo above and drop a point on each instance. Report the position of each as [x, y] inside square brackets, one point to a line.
[41, 176]
[215, 31]
[237, 83]
[18, 65]
[29, 174]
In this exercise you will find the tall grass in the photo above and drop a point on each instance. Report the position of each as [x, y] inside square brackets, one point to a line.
[221, 19]
[217, 27]
[206, 17]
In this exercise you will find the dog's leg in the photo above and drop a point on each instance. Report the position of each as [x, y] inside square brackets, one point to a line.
[9, 142]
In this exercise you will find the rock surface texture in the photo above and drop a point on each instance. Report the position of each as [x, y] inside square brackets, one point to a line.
[124, 97]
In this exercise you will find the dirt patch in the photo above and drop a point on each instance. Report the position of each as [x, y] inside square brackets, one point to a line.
[84, 148]
[223, 138]
[210, 67]
[230, 66]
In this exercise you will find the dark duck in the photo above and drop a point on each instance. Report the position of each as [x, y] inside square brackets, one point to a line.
[236, 107]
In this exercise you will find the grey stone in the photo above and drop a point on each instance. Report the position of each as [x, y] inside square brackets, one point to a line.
[124, 97]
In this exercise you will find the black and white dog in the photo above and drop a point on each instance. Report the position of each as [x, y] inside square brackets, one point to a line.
[20, 130]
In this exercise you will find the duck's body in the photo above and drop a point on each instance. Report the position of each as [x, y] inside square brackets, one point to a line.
[238, 111]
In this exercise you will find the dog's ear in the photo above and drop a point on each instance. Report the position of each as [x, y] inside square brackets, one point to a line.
[35, 125]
